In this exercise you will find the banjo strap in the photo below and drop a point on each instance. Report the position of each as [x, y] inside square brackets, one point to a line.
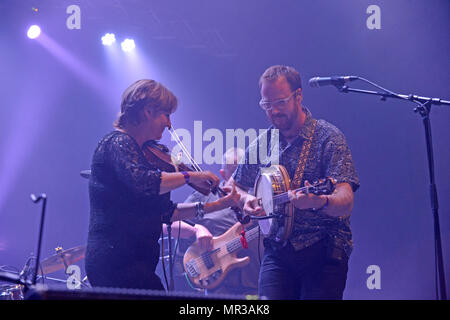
[303, 157]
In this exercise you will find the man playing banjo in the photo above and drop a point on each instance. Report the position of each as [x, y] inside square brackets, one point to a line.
[311, 262]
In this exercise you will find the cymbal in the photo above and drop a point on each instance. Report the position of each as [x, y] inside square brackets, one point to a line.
[62, 259]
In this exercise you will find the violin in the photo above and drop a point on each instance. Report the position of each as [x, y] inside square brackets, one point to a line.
[158, 155]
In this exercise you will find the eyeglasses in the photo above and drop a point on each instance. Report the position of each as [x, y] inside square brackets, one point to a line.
[279, 104]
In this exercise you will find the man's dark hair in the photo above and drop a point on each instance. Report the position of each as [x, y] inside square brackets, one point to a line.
[274, 72]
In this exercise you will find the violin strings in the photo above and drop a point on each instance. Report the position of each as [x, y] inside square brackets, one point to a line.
[178, 141]
[184, 149]
[186, 152]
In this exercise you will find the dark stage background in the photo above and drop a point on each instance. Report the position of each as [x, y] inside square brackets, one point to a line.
[60, 93]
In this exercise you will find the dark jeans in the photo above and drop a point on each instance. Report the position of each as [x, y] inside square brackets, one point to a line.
[305, 274]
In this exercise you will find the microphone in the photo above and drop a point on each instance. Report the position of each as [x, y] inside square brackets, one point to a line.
[326, 81]
[37, 199]
[85, 174]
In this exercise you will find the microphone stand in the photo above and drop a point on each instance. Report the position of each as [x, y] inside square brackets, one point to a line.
[169, 236]
[17, 278]
[41, 228]
[424, 110]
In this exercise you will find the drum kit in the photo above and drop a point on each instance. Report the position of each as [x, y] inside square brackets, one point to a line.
[61, 260]
[17, 283]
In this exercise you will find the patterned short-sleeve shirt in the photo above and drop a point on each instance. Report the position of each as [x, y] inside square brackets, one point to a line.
[329, 156]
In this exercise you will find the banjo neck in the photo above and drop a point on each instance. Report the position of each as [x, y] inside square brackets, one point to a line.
[284, 197]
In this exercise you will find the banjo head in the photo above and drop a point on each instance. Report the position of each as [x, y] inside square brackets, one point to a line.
[269, 183]
[264, 192]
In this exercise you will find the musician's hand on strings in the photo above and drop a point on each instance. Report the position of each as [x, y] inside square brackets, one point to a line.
[252, 206]
[204, 179]
[304, 201]
[203, 237]
[230, 200]
[233, 197]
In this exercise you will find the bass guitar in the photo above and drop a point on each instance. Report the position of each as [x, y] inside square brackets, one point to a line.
[208, 268]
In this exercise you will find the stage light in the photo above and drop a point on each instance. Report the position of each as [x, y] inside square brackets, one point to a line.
[108, 39]
[127, 45]
[33, 32]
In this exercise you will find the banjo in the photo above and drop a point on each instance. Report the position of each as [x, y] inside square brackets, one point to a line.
[271, 190]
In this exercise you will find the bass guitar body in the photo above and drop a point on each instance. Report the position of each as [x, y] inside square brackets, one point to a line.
[207, 268]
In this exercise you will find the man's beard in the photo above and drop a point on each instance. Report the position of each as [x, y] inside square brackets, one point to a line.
[285, 122]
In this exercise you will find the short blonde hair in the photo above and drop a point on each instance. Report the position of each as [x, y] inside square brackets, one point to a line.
[144, 93]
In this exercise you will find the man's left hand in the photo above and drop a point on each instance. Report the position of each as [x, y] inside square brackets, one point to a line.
[304, 201]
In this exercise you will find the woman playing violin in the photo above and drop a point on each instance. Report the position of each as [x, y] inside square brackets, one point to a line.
[130, 194]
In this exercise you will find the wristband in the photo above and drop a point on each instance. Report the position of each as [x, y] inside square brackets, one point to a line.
[200, 206]
[186, 176]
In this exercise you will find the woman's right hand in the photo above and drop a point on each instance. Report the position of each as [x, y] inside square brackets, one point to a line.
[231, 199]
[204, 179]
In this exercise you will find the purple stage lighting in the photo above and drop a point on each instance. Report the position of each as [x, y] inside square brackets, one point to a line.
[33, 32]
[108, 39]
[128, 45]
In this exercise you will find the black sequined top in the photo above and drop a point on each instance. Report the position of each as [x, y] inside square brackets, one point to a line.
[126, 215]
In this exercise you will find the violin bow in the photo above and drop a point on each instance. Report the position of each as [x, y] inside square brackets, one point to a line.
[195, 165]
[177, 139]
